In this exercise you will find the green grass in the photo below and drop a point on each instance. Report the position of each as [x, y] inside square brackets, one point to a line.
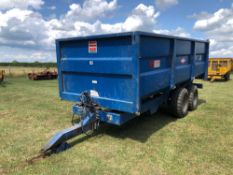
[202, 143]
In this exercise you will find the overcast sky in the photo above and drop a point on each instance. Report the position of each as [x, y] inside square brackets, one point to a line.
[28, 28]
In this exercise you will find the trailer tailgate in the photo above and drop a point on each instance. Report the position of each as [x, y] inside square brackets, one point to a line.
[103, 66]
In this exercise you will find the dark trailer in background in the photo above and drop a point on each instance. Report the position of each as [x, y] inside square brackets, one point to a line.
[116, 77]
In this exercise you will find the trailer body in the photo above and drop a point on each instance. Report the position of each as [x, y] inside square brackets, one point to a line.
[128, 73]
[116, 77]
[219, 68]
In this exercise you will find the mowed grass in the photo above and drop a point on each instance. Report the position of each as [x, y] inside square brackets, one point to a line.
[202, 143]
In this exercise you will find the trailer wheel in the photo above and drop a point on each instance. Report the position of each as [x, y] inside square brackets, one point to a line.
[180, 103]
[193, 97]
[227, 76]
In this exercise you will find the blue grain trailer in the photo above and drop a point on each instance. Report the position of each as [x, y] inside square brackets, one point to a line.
[116, 77]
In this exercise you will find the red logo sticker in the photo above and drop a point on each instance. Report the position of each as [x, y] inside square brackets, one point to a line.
[154, 63]
[92, 47]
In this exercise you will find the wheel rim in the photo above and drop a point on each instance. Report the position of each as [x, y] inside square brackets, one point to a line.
[185, 105]
[195, 99]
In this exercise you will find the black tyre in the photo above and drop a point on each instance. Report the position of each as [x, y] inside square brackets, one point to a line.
[227, 76]
[180, 102]
[193, 97]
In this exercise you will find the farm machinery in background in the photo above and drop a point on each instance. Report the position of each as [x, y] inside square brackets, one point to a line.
[2, 75]
[45, 75]
[220, 68]
[231, 65]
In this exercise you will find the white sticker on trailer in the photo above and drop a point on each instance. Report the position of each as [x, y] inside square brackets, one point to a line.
[94, 93]
[155, 63]
[91, 63]
[94, 82]
[182, 60]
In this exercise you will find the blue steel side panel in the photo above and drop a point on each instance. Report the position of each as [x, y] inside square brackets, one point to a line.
[201, 59]
[136, 55]
[183, 47]
[199, 67]
[110, 74]
[206, 60]
[60, 81]
[173, 64]
[181, 60]
[152, 47]
[182, 73]
[192, 59]
[177, 59]
[200, 48]
[111, 47]
[119, 65]
[154, 79]
[114, 92]
[120, 72]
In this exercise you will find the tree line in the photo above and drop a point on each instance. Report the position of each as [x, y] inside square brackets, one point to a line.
[26, 64]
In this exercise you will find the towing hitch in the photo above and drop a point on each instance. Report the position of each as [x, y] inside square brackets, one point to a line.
[88, 121]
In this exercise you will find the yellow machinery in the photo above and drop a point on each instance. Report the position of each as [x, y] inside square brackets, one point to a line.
[2, 74]
[232, 64]
[220, 68]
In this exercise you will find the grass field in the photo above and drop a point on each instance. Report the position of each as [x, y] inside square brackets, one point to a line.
[201, 143]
